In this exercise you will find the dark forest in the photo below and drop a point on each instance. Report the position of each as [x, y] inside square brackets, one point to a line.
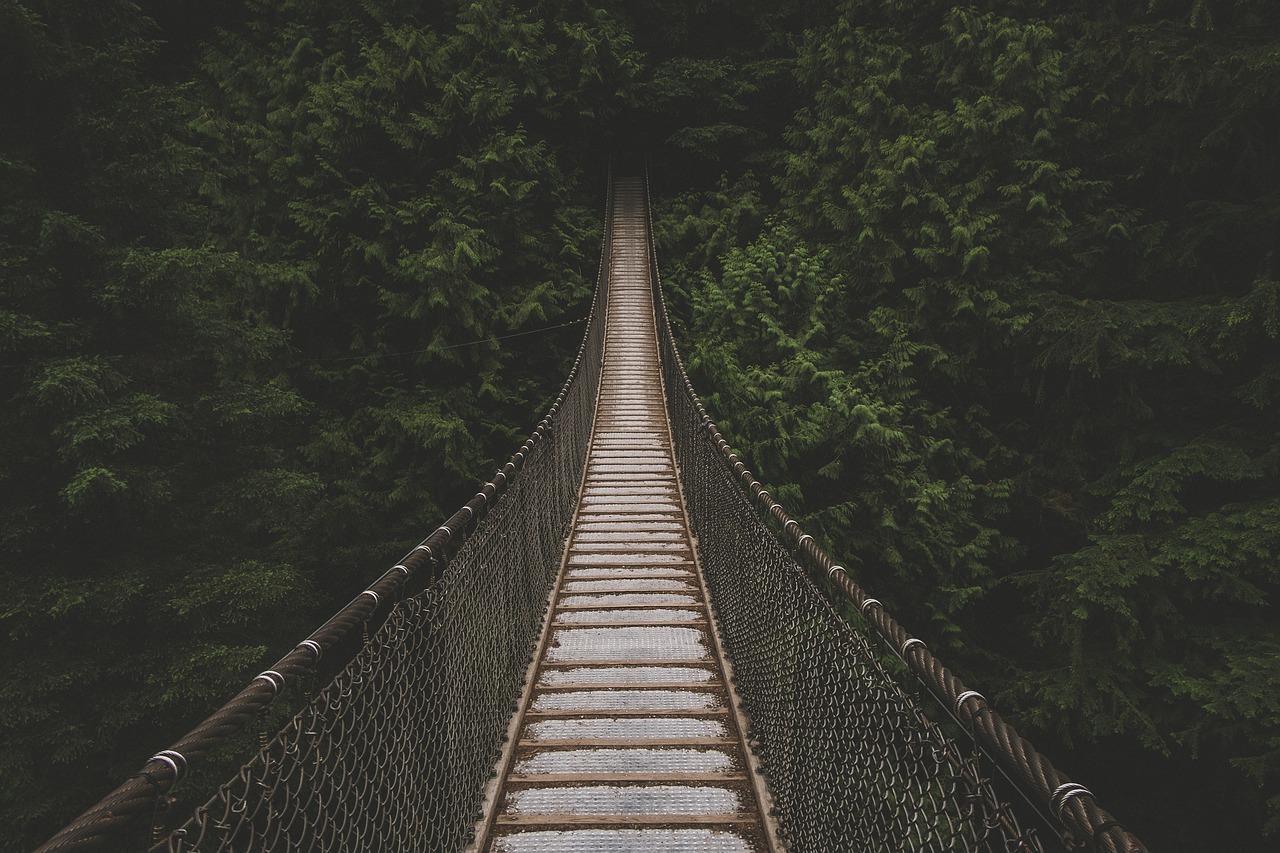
[986, 293]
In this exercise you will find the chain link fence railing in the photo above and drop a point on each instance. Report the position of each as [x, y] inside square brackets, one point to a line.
[853, 760]
[394, 753]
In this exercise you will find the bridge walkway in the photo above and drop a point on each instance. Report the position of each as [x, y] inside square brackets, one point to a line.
[628, 739]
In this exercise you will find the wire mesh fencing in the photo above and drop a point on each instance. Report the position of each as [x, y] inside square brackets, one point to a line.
[853, 760]
[394, 753]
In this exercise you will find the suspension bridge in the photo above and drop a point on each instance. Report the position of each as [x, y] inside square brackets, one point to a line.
[621, 643]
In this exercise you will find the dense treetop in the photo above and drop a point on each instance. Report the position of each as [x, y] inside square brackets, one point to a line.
[987, 293]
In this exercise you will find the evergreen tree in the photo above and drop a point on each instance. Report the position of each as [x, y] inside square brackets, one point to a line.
[987, 291]
[256, 333]
[133, 384]
[1044, 237]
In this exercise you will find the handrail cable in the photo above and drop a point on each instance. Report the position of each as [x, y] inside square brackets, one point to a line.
[135, 799]
[1075, 813]
[394, 752]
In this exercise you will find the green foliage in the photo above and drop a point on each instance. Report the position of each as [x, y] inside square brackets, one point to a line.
[812, 391]
[253, 331]
[400, 190]
[1030, 394]
[986, 292]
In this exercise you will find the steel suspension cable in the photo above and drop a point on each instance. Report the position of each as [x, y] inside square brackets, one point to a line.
[125, 811]
[1070, 808]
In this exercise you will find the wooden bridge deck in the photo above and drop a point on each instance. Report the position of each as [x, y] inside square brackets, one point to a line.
[628, 739]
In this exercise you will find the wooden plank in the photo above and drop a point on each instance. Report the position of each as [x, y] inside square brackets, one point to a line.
[688, 623]
[567, 664]
[712, 685]
[671, 605]
[630, 485]
[624, 820]
[627, 778]
[626, 743]
[577, 713]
